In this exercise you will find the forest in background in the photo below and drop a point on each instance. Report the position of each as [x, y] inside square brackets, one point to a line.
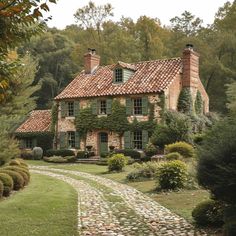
[59, 53]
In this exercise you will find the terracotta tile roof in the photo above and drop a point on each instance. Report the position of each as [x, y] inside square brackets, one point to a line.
[125, 65]
[38, 121]
[149, 76]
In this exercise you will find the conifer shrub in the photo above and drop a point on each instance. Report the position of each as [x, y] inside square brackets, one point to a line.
[117, 162]
[183, 148]
[208, 213]
[185, 101]
[18, 181]
[198, 104]
[18, 169]
[14, 162]
[7, 184]
[22, 163]
[173, 156]
[1, 188]
[172, 175]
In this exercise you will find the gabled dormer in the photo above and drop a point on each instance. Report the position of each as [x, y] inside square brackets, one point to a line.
[122, 72]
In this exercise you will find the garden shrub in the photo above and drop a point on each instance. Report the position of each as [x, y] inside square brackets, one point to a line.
[173, 156]
[198, 139]
[145, 170]
[185, 149]
[18, 181]
[82, 154]
[129, 152]
[150, 150]
[55, 159]
[18, 169]
[1, 188]
[14, 163]
[22, 163]
[208, 213]
[37, 153]
[230, 220]
[172, 175]
[61, 152]
[7, 184]
[26, 155]
[117, 162]
[104, 154]
[70, 159]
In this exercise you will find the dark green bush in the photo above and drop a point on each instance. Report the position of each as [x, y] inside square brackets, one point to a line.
[26, 155]
[129, 152]
[71, 159]
[150, 150]
[104, 154]
[61, 152]
[7, 183]
[198, 138]
[82, 154]
[18, 181]
[185, 149]
[117, 162]
[230, 220]
[208, 213]
[173, 156]
[172, 175]
[1, 188]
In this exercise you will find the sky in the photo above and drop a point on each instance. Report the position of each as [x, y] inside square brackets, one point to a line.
[62, 13]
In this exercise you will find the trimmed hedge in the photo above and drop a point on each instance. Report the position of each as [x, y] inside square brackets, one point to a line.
[183, 148]
[1, 188]
[172, 175]
[208, 213]
[59, 159]
[61, 152]
[18, 169]
[129, 152]
[173, 156]
[7, 184]
[117, 162]
[18, 181]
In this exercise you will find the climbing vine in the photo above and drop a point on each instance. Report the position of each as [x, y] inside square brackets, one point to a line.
[54, 117]
[198, 105]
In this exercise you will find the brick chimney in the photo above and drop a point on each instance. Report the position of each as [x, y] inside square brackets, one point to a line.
[190, 61]
[91, 61]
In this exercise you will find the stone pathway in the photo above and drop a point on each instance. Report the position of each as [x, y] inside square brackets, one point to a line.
[108, 208]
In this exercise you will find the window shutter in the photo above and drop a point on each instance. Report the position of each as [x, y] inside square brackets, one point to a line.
[109, 105]
[77, 140]
[76, 108]
[145, 106]
[63, 141]
[128, 106]
[144, 138]
[127, 139]
[63, 109]
[94, 107]
[34, 142]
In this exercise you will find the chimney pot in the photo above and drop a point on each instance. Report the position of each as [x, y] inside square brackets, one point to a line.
[189, 46]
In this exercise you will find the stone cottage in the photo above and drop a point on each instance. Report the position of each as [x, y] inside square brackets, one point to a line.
[134, 85]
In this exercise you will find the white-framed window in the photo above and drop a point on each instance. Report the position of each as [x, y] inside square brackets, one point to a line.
[137, 140]
[137, 106]
[118, 75]
[70, 106]
[71, 139]
[102, 107]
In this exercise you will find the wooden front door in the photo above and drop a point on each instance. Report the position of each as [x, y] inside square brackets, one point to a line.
[103, 142]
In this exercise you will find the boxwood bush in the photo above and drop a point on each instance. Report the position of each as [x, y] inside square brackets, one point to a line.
[1, 188]
[129, 152]
[185, 149]
[208, 213]
[172, 175]
[173, 156]
[18, 181]
[7, 184]
[117, 162]
[61, 152]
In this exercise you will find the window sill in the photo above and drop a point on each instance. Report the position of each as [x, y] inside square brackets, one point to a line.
[70, 117]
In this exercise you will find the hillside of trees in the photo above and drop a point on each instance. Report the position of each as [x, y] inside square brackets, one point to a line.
[60, 52]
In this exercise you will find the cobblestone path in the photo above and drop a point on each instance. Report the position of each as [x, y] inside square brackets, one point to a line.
[108, 208]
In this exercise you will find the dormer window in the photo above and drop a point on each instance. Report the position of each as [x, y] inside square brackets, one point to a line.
[118, 75]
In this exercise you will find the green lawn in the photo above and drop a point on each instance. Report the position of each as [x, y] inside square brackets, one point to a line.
[45, 207]
[182, 202]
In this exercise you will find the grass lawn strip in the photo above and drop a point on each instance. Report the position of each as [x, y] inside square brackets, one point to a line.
[42, 208]
[159, 218]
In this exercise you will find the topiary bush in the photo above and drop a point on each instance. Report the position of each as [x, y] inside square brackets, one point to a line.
[208, 213]
[7, 184]
[37, 153]
[117, 162]
[150, 150]
[173, 156]
[130, 153]
[172, 175]
[18, 181]
[14, 162]
[22, 163]
[1, 188]
[185, 149]
[19, 169]
[61, 152]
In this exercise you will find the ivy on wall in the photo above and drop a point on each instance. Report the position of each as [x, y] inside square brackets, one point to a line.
[198, 105]
[162, 104]
[54, 117]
